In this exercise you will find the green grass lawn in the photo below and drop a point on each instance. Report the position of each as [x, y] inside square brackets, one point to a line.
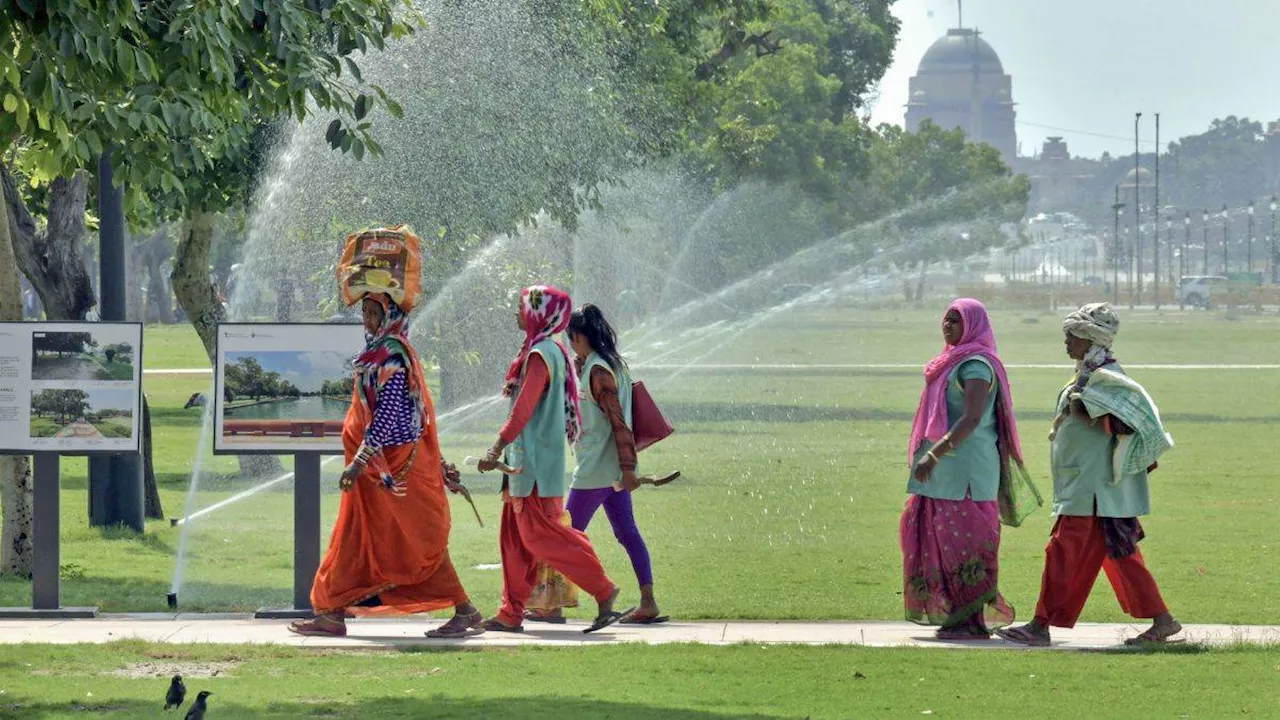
[793, 483]
[682, 682]
[43, 427]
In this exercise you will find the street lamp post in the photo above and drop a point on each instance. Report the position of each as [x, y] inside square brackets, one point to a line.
[1273, 239]
[1225, 237]
[1182, 260]
[1249, 246]
[1115, 251]
[1135, 255]
[1205, 225]
[1168, 225]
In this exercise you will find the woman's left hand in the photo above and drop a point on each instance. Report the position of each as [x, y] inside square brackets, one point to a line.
[629, 480]
[924, 469]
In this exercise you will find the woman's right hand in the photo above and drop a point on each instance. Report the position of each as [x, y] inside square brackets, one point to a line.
[349, 476]
[924, 469]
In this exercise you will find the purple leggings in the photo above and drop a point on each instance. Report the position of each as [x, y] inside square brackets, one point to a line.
[582, 506]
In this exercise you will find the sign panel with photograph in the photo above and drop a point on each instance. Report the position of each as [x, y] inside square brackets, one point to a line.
[70, 388]
[283, 388]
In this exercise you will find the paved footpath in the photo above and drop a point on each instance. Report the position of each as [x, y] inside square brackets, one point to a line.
[408, 632]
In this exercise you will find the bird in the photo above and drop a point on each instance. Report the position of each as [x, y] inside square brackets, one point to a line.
[177, 693]
[199, 706]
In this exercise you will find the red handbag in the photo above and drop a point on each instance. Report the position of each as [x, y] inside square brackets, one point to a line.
[648, 425]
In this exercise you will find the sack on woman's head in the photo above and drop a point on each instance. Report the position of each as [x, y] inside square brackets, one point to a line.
[386, 261]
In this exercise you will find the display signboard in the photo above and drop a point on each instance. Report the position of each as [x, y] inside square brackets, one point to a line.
[283, 389]
[70, 388]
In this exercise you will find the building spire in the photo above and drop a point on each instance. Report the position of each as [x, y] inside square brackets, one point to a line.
[960, 13]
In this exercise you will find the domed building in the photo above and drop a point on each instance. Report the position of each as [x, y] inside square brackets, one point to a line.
[961, 83]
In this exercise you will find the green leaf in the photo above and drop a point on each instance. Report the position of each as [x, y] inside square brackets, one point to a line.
[22, 116]
[332, 132]
[10, 103]
[394, 108]
[93, 141]
[357, 148]
[246, 10]
[42, 118]
[355, 69]
[362, 107]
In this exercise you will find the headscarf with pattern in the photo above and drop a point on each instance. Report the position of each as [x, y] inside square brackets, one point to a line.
[546, 312]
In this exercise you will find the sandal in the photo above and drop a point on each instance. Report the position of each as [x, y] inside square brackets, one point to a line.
[1157, 635]
[636, 618]
[961, 633]
[539, 616]
[459, 626]
[496, 625]
[315, 628]
[604, 620]
[1022, 636]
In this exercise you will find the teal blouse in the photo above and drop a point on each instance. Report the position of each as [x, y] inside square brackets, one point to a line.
[973, 467]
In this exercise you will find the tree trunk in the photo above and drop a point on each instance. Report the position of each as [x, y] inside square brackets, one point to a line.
[194, 290]
[15, 472]
[153, 509]
[191, 283]
[53, 260]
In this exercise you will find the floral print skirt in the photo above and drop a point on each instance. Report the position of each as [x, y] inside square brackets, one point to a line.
[951, 562]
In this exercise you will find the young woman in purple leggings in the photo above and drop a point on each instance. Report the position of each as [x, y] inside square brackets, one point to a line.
[606, 453]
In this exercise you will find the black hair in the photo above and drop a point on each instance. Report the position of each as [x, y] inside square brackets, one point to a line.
[588, 321]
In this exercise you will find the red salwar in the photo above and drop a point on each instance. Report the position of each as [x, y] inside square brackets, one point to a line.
[531, 532]
[1077, 550]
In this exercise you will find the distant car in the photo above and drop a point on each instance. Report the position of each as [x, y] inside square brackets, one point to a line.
[1201, 290]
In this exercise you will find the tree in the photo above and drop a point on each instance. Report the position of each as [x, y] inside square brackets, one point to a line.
[15, 472]
[1224, 164]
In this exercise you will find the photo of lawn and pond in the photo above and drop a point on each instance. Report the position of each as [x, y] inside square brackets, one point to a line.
[80, 356]
[86, 414]
[286, 396]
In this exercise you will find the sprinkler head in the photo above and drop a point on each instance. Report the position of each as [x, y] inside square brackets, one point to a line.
[172, 600]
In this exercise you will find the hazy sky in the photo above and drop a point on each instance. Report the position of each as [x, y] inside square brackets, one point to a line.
[1086, 66]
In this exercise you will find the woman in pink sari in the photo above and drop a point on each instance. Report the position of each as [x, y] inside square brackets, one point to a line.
[966, 478]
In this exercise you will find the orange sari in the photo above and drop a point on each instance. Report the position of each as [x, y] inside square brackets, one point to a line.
[395, 548]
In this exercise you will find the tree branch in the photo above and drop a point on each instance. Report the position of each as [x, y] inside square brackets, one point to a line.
[739, 41]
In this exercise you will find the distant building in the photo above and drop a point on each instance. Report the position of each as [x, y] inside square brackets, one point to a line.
[961, 83]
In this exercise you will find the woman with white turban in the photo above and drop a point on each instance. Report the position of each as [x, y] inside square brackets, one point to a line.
[1105, 440]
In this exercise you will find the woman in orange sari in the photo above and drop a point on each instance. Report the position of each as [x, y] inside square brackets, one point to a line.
[389, 551]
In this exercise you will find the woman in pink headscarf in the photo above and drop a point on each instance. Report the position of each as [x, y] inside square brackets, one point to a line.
[966, 478]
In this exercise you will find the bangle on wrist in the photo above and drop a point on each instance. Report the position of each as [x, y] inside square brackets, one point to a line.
[932, 456]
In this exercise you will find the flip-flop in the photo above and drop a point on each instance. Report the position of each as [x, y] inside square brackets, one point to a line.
[633, 619]
[495, 625]
[309, 628]
[1020, 636]
[605, 620]
[958, 635]
[1146, 638]
[531, 616]
[441, 633]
